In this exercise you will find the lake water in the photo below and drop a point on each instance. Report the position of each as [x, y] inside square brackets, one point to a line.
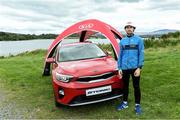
[15, 47]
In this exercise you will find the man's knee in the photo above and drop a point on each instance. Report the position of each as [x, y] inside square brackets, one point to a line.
[136, 86]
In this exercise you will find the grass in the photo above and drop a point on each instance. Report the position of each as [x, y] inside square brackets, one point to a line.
[23, 85]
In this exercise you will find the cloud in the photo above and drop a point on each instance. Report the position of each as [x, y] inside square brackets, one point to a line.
[162, 5]
[53, 16]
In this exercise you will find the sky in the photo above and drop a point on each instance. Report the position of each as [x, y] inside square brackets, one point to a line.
[54, 16]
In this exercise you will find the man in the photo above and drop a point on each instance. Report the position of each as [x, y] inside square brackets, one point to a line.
[130, 63]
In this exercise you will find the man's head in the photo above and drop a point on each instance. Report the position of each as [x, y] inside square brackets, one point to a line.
[129, 28]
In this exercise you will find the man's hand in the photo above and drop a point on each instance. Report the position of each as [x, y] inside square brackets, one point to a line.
[120, 74]
[137, 72]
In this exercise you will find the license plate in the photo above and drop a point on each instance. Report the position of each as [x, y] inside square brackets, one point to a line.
[99, 90]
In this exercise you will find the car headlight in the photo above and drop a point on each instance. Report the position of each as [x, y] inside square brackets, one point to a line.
[63, 78]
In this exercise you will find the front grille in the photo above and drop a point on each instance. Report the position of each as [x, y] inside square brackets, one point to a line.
[84, 98]
[97, 77]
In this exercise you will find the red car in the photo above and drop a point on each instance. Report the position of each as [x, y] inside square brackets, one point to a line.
[82, 73]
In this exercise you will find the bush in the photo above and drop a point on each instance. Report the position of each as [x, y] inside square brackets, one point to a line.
[161, 43]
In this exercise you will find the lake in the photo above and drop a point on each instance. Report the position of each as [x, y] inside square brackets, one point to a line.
[15, 47]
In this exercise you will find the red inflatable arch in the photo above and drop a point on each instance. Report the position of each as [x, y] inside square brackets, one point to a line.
[85, 28]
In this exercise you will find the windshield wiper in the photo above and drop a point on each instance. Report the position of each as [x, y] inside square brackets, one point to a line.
[101, 56]
[84, 58]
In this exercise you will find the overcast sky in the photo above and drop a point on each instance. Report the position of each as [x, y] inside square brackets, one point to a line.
[53, 16]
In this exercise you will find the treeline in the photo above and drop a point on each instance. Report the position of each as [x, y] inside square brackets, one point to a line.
[5, 36]
[171, 35]
[170, 39]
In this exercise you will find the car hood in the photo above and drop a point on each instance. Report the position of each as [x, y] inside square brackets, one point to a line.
[87, 67]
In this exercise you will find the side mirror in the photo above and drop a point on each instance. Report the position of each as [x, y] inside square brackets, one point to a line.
[108, 53]
[50, 60]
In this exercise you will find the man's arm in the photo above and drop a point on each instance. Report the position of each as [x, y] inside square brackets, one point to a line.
[120, 61]
[120, 57]
[141, 54]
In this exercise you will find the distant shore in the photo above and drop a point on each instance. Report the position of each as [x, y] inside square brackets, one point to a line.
[6, 36]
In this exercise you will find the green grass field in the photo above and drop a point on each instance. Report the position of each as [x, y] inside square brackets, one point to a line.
[26, 94]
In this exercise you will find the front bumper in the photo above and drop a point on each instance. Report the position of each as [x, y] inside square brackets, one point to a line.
[84, 100]
[75, 92]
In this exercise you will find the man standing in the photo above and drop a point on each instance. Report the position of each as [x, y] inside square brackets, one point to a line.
[130, 63]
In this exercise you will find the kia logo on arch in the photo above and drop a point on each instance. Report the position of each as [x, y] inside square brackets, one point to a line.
[86, 26]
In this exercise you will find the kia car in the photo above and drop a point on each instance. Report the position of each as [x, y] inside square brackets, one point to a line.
[82, 73]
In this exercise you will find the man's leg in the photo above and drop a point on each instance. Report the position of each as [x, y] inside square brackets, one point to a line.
[125, 78]
[137, 92]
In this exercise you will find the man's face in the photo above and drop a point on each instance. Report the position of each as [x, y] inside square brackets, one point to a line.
[129, 30]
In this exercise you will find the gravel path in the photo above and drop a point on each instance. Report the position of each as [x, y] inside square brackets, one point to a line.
[10, 110]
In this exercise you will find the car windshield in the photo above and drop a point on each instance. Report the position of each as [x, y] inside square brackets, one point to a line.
[80, 52]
